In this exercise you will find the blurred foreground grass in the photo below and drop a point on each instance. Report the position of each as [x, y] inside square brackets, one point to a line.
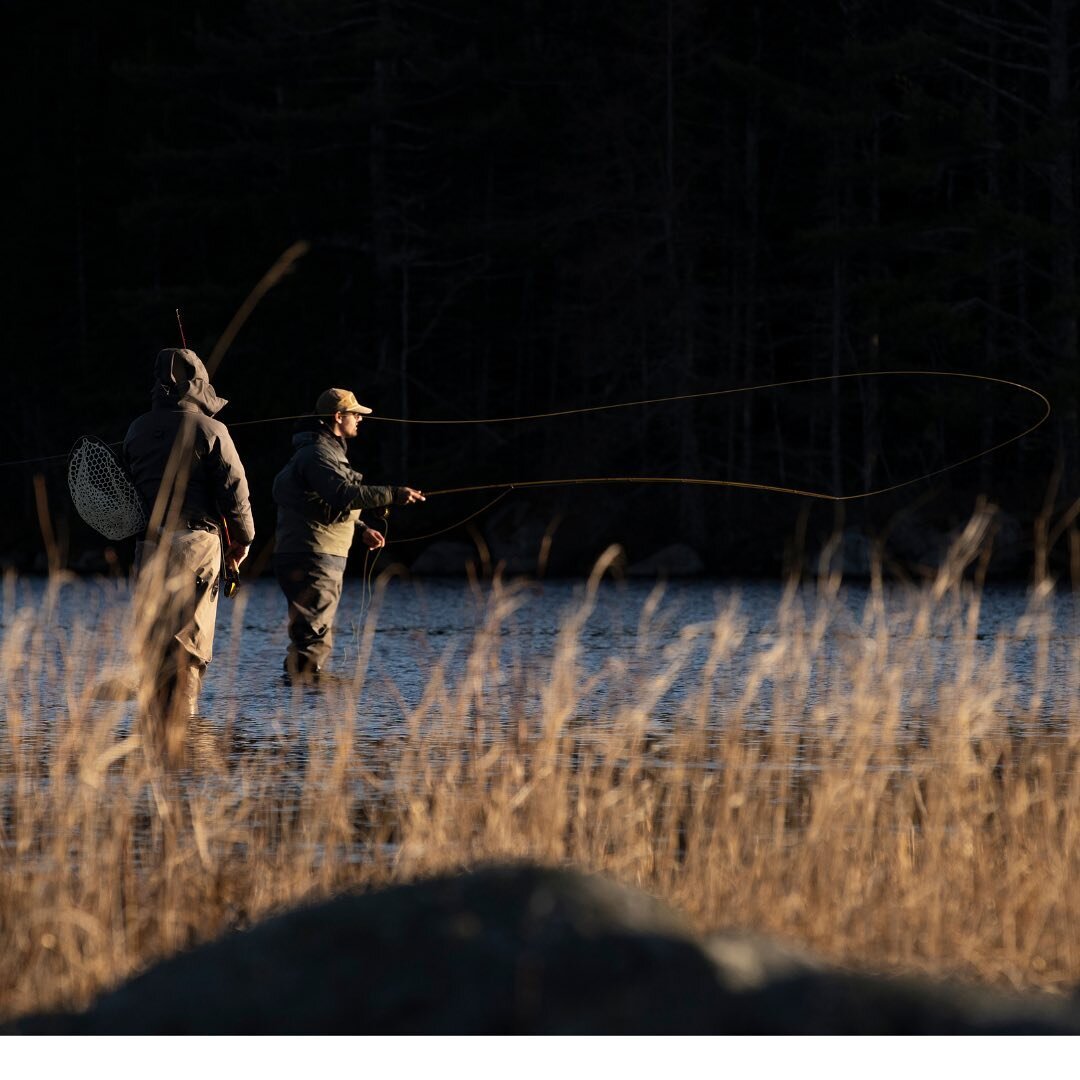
[881, 825]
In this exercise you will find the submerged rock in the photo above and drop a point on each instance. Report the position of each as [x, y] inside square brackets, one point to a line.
[526, 950]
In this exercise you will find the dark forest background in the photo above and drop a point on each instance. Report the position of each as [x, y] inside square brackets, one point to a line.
[521, 207]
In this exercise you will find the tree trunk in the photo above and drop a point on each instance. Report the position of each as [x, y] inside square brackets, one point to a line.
[1063, 220]
[752, 239]
[381, 210]
[992, 328]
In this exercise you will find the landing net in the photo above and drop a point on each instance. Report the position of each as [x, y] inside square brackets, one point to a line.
[102, 493]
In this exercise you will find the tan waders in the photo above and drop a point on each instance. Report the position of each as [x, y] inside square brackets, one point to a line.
[178, 589]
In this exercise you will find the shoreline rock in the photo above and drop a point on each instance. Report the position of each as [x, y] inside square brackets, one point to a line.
[524, 949]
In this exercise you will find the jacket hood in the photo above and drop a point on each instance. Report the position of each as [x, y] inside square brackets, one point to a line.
[309, 428]
[180, 377]
[304, 438]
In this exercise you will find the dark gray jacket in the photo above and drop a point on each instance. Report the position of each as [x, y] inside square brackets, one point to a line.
[319, 496]
[215, 486]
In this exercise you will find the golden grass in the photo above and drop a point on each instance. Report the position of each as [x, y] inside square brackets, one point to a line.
[863, 818]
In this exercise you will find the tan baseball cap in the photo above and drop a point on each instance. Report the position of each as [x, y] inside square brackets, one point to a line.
[335, 400]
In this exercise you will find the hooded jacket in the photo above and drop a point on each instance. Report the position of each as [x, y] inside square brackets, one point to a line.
[319, 496]
[212, 484]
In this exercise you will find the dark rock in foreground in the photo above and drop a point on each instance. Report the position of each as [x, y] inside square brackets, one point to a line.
[526, 950]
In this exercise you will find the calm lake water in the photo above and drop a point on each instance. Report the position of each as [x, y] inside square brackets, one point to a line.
[634, 633]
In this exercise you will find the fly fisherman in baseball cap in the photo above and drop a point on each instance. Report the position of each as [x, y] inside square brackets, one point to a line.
[319, 498]
[192, 484]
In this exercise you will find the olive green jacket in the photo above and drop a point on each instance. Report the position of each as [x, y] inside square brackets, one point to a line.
[319, 497]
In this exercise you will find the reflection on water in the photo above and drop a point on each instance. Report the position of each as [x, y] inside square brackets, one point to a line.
[634, 634]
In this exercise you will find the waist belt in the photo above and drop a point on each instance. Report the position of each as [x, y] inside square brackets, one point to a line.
[187, 526]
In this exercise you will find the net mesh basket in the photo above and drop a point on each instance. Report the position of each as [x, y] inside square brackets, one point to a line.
[102, 492]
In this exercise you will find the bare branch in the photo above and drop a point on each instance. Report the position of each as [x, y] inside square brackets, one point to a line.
[1031, 69]
[1006, 28]
[1041, 113]
[1036, 15]
[479, 265]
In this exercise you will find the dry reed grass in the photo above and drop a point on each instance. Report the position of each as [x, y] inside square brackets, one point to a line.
[876, 824]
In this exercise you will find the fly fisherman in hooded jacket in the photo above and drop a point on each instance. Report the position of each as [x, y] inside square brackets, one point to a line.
[193, 487]
[319, 497]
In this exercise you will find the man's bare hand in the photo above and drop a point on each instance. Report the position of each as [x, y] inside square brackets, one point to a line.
[405, 495]
[372, 539]
[235, 554]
